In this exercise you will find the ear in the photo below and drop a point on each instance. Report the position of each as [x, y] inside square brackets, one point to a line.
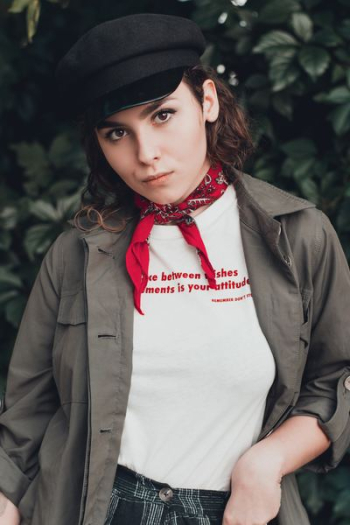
[210, 101]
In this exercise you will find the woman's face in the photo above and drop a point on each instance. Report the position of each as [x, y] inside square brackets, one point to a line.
[166, 136]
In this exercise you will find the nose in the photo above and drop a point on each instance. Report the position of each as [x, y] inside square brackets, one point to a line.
[148, 148]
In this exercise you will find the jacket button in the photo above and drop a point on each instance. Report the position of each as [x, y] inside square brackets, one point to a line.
[165, 493]
[347, 383]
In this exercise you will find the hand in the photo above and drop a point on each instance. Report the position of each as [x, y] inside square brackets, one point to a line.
[9, 514]
[255, 488]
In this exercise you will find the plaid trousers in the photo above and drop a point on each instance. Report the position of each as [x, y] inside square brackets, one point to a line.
[138, 500]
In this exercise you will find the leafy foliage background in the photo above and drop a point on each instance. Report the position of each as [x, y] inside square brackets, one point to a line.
[287, 61]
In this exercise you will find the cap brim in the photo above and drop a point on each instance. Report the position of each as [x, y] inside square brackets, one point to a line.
[149, 89]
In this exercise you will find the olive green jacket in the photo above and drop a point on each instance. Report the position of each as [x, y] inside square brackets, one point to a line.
[70, 371]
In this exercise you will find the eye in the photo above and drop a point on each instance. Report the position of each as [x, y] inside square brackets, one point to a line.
[166, 112]
[113, 136]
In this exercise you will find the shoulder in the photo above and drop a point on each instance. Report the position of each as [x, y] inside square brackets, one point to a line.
[67, 243]
[307, 227]
[65, 260]
[293, 211]
[272, 199]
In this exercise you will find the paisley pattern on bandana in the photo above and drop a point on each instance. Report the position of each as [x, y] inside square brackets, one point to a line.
[212, 186]
[201, 196]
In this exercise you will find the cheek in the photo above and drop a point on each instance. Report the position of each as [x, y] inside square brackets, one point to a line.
[189, 136]
[119, 160]
[111, 157]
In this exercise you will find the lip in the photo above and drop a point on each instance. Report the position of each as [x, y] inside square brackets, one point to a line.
[157, 177]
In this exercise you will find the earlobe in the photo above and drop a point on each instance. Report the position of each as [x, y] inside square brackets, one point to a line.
[213, 112]
[213, 116]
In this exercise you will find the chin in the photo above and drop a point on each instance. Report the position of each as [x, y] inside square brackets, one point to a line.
[162, 198]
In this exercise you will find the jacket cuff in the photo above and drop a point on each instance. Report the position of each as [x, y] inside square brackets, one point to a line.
[334, 419]
[13, 483]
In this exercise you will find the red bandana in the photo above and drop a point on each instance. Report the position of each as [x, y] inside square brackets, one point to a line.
[211, 188]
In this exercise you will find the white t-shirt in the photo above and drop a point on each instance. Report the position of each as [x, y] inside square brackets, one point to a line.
[201, 365]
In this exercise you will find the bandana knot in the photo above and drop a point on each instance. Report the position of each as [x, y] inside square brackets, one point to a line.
[212, 186]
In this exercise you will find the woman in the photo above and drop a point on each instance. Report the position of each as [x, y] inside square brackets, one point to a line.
[185, 346]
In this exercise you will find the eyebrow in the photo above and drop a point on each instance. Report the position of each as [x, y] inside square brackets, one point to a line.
[144, 113]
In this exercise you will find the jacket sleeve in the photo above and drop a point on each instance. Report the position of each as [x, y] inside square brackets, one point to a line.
[31, 396]
[325, 388]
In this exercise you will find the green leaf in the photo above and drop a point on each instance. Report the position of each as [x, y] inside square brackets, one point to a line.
[324, 18]
[208, 18]
[348, 76]
[275, 39]
[37, 239]
[339, 479]
[311, 487]
[314, 60]
[18, 6]
[260, 99]
[288, 167]
[327, 37]
[5, 297]
[265, 161]
[8, 279]
[32, 158]
[299, 148]
[264, 128]
[282, 103]
[265, 174]
[338, 95]
[282, 70]
[68, 205]
[5, 240]
[65, 152]
[340, 118]
[33, 14]
[276, 12]
[304, 168]
[14, 310]
[344, 29]
[302, 25]
[243, 45]
[337, 73]
[62, 187]
[44, 210]
[8, 217]
[342, 54]
[343, 218]
[256, 81]
[309, 189]
[328, 181]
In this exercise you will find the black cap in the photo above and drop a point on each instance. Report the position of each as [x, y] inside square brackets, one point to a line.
[126, 62]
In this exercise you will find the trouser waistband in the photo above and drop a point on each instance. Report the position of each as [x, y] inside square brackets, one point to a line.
[131, 485]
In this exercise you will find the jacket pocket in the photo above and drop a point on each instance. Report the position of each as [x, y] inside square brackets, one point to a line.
[72, 309]
[69, 355]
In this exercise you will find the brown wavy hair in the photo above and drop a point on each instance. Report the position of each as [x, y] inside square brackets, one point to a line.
[228, 141]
